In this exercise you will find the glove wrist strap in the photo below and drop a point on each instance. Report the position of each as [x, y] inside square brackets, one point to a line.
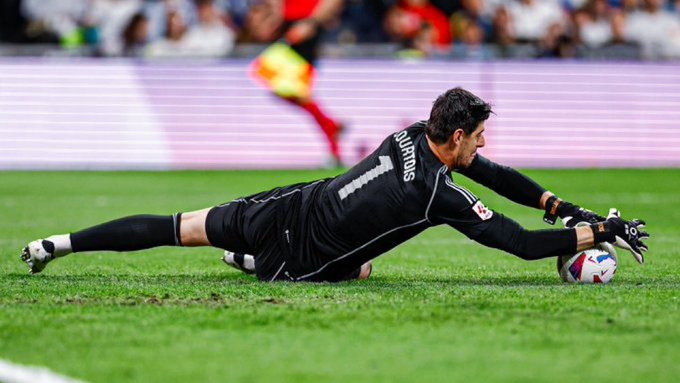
[602, 232]
[551, 206]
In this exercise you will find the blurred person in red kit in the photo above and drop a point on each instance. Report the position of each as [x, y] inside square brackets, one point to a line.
[300, 24]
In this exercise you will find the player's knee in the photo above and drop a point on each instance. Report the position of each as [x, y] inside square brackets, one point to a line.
[192, 228]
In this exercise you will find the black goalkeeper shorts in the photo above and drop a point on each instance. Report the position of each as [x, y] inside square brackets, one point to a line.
[275, 227]
[249, 229]
[255, 229]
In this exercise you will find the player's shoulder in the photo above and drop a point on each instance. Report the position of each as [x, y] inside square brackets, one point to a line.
[453, 197]
[412, 131]
[458, 192]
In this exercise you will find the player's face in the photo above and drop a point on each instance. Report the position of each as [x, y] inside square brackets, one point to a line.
[468, 147]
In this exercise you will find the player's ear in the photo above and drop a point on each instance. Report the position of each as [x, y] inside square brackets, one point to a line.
[457, 137]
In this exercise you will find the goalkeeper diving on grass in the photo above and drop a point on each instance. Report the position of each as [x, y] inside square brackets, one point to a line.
[330, 229]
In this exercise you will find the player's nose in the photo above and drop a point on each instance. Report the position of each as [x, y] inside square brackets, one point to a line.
[481, 142]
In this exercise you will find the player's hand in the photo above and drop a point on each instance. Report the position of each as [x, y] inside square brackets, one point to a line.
[580, 215]
[624, 234]
[301, 31]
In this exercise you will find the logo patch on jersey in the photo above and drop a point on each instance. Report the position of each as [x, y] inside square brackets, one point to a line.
[482, 211]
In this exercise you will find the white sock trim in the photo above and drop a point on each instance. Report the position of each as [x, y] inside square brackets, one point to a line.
[248, 262]
[62, 244]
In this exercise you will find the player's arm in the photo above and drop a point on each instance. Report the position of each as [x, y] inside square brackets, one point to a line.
[505, 181]
[505, 234]
[454, 205]
[304, 29]
[326, 10]
[521, 189]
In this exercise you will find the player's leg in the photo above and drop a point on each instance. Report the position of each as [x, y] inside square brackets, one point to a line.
[192, 230]
[131, 233]
[309, 50]
[330, 128]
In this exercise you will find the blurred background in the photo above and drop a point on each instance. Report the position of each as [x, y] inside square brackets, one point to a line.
[167, 84]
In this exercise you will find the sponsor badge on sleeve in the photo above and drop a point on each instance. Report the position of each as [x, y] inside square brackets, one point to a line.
[482, 211]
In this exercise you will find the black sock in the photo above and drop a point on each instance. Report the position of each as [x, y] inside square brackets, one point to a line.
[136, 232]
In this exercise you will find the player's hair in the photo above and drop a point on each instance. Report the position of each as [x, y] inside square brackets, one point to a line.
[455, 109]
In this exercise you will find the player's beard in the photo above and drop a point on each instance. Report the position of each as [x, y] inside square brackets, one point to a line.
[464, 160]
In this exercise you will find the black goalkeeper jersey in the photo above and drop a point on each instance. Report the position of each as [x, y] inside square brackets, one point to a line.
[326, 229]
[333, 226]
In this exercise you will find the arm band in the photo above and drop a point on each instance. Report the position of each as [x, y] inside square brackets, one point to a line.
[507, 235]
[505, 181]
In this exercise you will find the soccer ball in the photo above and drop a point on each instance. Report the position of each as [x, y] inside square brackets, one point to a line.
[588, 266]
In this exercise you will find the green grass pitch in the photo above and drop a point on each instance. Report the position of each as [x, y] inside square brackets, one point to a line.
[437, 308]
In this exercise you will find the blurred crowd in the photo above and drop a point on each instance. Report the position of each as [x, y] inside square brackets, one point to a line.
[473, 29]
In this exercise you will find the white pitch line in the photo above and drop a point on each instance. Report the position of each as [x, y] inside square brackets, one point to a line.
[13, 373]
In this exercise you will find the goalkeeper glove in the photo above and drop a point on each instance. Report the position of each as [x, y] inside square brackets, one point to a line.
[627, 235]
[570, 214]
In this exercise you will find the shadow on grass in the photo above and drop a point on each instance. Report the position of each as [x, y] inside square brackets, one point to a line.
[233, 279]
[464, 280]
[226, 279]
[115, 278]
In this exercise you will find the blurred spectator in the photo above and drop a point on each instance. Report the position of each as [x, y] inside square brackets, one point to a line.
[426, 13]
[171, 44]
[470, 45]
[401, 26]
[556, 43]
[594, 24]
[418, 25]
[210, 37]
[532, 19]
[492, 6]
[629, 6]
[448, 28]
[656, 29]
[135, 35]
[574, 5]
[503, 33]
[359, 23]
[471, 12]
[58, 18]
[111, 18]
[262, 23]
